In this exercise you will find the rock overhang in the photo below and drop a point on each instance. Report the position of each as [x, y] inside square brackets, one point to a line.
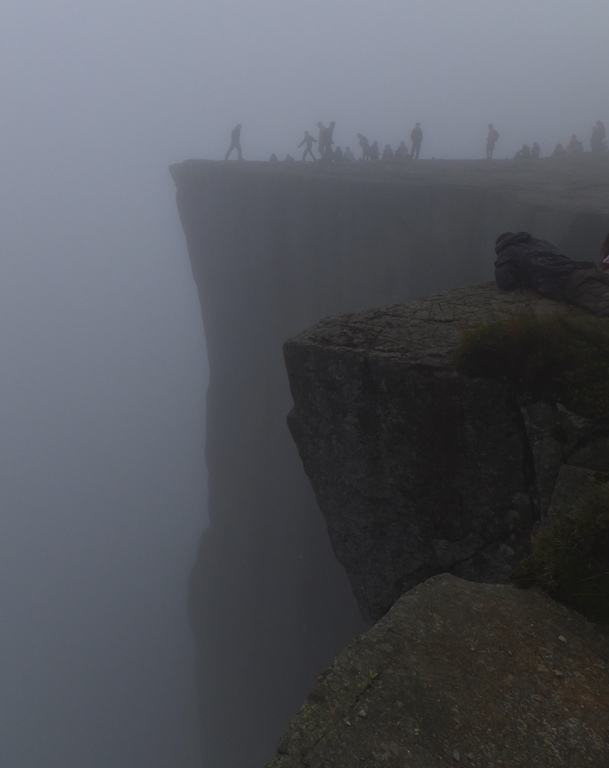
[416, 468]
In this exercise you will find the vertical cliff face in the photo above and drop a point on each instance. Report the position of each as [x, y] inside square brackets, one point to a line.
[417, 469]
[273, 250]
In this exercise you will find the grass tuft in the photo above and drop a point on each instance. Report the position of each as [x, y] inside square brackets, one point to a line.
[562, 359]
[570, 557]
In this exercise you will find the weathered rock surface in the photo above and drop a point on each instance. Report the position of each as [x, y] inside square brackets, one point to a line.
[460, 674]
[419, 470]
[274, 248]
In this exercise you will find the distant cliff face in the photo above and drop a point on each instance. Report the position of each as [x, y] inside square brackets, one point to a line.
[274, 249]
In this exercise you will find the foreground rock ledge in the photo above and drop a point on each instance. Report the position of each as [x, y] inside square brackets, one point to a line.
[459, 673]
[417, 470]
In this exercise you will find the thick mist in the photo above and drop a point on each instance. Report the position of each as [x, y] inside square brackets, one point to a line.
[102, 348]
[101, 399]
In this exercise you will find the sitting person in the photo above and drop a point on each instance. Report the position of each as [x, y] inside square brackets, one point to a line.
[401, 153]
[387, 156]
[348, 156]
[524, 151]
[574, 147]
[524, 261]
[559, 150]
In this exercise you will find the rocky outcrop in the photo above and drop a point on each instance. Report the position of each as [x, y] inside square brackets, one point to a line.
[419, 470]
[460, 674]
[274, 249]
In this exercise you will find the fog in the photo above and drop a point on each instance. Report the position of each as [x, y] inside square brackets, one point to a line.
[102, 347]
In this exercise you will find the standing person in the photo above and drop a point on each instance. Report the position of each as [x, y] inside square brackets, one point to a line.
[365, 145]
[308, 141]
[491, 140]
[322, 139]
[600, 126]
[326, 141]
[416, 137]
[235, 142]
[329, 139]
[597, 142]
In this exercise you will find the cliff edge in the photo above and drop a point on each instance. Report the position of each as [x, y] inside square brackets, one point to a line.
[275, 248]
[420, 470]
[417, 469]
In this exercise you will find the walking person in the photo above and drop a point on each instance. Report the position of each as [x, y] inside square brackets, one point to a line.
[308, 142]
[235, 142]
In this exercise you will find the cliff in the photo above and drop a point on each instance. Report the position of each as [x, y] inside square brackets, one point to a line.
[417, 469]
[420, 469]
[273, 250]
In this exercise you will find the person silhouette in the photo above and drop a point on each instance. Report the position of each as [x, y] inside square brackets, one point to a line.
[308, 141]
[235, 142]
[416, 137]
[491, 140]
[365, 145]
[524, 151]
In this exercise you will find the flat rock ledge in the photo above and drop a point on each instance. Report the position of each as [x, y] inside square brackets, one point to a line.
[417, 469]
[458, 673]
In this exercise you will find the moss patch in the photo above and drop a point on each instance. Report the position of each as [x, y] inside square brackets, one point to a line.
[562, 359]
[570, 557]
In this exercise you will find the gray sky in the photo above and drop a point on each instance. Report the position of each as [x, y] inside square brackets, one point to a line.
[101, 393]
[128, 80]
